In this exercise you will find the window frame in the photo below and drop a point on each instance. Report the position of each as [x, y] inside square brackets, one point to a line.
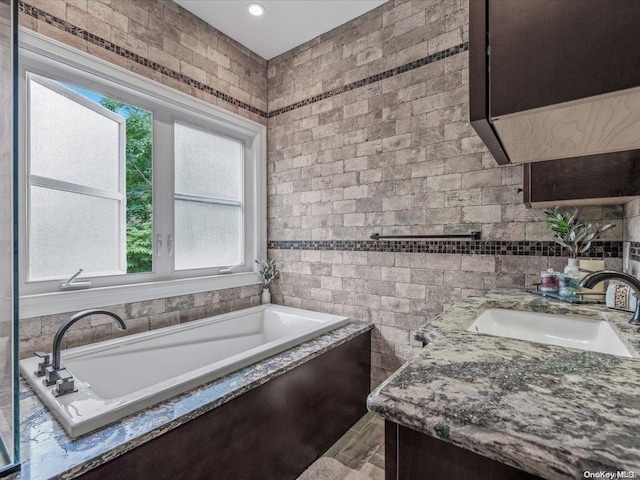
[52, 59]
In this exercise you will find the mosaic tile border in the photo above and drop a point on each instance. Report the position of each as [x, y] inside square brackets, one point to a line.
[72, 29]
[480, 247]
[123, 52]
[634, 251]
[449, 52]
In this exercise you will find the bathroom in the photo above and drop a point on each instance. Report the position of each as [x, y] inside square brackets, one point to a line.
[370, 282]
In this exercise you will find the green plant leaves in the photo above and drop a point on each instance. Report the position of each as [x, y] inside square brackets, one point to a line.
[267, 271]
[575, 235]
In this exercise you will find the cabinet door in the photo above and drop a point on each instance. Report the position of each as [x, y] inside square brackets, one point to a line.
[546, 52]
[479, 114]
[411, 455]
[593, 180]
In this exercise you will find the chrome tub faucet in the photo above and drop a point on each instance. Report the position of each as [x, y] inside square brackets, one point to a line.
[54, 372]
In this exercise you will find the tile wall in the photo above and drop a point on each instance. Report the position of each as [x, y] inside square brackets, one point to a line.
[36, 334]
[368, 133]
[162, 41]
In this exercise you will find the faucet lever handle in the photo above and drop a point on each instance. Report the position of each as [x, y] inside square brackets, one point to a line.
[42, 366]
[65, 383]
[51, 376]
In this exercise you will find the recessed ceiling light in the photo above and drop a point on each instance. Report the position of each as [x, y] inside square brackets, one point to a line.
[255, 9]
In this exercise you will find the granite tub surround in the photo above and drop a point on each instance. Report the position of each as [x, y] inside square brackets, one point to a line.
[551, 411]
[47, 452]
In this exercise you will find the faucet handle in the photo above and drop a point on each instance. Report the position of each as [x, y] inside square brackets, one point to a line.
[42, 366]
[65, 383]
[51, 376]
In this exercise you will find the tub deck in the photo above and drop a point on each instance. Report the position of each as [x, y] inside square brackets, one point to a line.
[48, 452]
[118, 377]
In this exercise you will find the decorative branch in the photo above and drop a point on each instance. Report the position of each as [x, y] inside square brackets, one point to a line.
[267, 271]
[571, 233]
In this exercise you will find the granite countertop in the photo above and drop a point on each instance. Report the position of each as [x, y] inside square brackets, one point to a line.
[551, 411]
[47, 452]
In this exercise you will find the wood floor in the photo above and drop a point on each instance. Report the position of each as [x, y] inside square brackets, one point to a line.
[362, 447]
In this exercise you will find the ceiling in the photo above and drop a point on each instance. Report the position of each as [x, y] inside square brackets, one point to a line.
[285, 23]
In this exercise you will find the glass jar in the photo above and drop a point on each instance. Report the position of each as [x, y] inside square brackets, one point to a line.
[569, 285]
[549, 281]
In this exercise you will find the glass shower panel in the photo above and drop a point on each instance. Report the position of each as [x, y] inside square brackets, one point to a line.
[8, 379]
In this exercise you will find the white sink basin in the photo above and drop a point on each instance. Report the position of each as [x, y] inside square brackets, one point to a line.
[581, 333]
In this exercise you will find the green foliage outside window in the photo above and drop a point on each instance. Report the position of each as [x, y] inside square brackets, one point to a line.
[139, 186]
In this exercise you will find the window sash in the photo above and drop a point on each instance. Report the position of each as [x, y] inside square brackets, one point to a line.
[72, 187]
[75, 97]
[206, 134]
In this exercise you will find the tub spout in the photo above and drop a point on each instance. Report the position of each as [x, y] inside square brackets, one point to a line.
[56, 371]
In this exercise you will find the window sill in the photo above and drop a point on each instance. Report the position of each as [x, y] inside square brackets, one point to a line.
[63, 302]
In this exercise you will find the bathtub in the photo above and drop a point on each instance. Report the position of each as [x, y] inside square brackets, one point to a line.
[116, 378]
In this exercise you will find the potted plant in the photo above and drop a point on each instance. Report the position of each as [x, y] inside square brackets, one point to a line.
[267, 273]
[575, 236]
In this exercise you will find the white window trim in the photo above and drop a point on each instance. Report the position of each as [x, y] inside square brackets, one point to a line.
[35, 46]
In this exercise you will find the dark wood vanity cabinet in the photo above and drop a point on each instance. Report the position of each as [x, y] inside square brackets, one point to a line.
[558, 82]
[411, 455]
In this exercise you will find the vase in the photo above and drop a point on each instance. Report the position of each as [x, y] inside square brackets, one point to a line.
[587, 267]
[569, 280]
[572, 267]
[266, 295]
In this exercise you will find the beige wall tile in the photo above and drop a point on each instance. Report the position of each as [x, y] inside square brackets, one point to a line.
[168, 35]
[414, 166]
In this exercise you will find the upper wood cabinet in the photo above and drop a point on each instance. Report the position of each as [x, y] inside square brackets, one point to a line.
[611, 179]
[554, 79]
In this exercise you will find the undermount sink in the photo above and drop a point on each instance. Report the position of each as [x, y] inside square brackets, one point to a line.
[581, 333]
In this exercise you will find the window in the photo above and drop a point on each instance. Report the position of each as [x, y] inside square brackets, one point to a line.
[208, 199]
[76, 151]
[132, 182]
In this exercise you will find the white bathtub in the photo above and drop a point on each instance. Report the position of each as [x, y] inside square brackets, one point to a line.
[118, 377]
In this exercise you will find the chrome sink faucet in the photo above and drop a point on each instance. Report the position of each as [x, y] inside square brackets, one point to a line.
[55, 373]
[596, 277]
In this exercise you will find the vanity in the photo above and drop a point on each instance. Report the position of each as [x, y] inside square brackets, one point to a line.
[476, 405]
